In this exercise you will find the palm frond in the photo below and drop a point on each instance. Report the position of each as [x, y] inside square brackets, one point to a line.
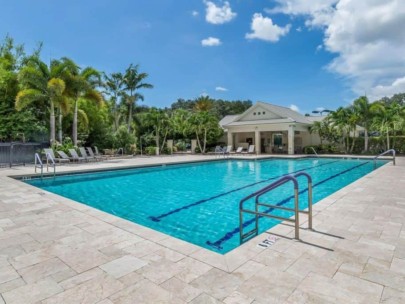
[28, 96]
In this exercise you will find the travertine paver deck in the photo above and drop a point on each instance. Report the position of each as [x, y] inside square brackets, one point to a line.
[54, 250]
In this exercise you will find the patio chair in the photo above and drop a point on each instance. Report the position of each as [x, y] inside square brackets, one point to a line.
[91, 153]
[84, 154]
[75, 156]
[228, 150]
[239, 150]
[218, 151]
[56, 159]
[251, 150]
[64, 155]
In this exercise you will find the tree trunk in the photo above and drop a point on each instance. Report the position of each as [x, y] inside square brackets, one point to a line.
[60, 126]
[205, 140]
[164, 141]
[198, 141]
[365, 140]
[353, 140]
[52, 124]
[388, 139]
[74, 133]
[157, 141]
[130, 117]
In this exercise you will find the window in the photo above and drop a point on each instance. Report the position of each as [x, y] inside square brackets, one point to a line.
[258, 113]
[264, 112]
[254, 113]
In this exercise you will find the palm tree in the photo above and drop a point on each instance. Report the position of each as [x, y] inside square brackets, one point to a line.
[339, 120]
[205, 125]
[382, 119]
[133, 81]
[362, 107]
[43, 85]
[81, 85]
[114, 88]
[159, 120]
[203, 104]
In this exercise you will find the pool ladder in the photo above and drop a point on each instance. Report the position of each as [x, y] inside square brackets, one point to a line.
[384, 153]
[50, 162]
[256, 195]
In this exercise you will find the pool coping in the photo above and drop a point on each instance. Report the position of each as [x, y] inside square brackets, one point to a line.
[229, 261]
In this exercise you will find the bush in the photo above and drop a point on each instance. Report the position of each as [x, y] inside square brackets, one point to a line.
[197, 150]
[321, 149]
[165, 150]
[150, 150]
[64, 146]
[123, 139]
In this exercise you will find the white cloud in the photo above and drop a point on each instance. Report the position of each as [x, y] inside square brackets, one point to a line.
[294, 108]
[204, 94]
[299, 29]
[194, 13]
[211, 41]
[319, 48]
[221, 89]
[217, 14]
[263, 28]
[366, 36]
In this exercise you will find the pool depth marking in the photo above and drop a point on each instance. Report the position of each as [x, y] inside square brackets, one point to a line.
[159, 217]
[217, 244]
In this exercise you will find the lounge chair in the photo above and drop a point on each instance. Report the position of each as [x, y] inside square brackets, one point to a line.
[239, 150]
[64, 155]
[91, 153]
[56, 159]
[218, 151]
[251, 150]
[228, 150]
[84, 154]
[75, 156]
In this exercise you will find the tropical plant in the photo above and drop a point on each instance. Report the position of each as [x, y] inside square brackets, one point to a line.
[43, 85]
[206, 128]
[133, 81]
[158, 120]
[203, 104]
[361, 107]
[113, 85]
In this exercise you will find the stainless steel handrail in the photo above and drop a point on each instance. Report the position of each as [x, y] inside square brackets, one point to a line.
[39, 164]
[273, 186]
[53, 164]
[313, 149]
[384, 153]
[309, 212]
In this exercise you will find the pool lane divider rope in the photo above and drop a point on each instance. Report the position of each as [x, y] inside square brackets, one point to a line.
[218, 244]
[159, 217]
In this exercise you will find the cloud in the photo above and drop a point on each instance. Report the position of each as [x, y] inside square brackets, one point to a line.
[294, 108]
[263, 28]
[194, 13]
[204, 94]
[211, 41]
[217, 14]
[366, 37]
[221, 89]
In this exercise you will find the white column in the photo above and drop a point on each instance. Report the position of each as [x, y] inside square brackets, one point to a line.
[291, 139]
[230, 139]
[257, 142]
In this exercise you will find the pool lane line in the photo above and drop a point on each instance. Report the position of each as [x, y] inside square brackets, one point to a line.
[217, 244]
[159, 217]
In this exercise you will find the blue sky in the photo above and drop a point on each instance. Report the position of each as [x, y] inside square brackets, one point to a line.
[301, 66]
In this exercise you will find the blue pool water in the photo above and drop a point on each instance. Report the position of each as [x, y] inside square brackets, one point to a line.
[199, 202]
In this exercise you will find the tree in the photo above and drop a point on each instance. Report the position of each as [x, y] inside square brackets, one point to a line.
[113, 85]
[42, 85]
[81, 84]
[362, 107]
[203, 104]
[134, 81]
[206, 128]
[159, 121]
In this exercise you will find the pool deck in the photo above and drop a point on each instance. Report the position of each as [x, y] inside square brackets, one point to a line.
[55, 250]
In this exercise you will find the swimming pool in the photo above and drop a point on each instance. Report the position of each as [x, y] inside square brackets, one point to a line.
[199, 202]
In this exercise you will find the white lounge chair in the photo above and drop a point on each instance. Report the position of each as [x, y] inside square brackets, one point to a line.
[251, 150]
[56, 159]
[228, 150]
[239, 150]
[75, 156]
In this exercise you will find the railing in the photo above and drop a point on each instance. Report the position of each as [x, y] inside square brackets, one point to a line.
[50, 162]
[118, 151]
[18, 153]
[39, 164]
[384, 153]
[313, 149]
[245, 236]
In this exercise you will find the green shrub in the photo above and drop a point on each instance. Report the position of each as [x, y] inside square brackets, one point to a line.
[150, 150]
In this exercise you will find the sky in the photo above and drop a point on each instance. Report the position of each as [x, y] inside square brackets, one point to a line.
[303, 54]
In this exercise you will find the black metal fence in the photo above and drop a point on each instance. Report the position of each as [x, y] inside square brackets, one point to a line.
[18, 153]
